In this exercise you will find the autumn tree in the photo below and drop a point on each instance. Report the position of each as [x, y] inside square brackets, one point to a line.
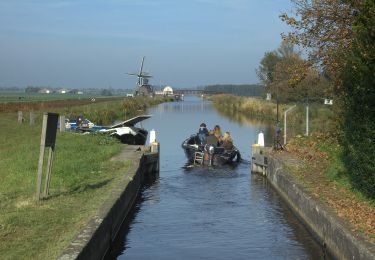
[288, 76]
[339, 36]
[323, 28]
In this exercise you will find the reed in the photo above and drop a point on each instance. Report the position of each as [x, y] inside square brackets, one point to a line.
[321, 118]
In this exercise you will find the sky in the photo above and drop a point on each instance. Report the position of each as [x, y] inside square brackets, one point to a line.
[94, 43]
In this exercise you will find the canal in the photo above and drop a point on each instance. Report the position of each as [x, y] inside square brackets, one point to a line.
[201, 213]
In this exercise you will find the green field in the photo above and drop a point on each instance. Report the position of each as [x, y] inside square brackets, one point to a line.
[28, 97]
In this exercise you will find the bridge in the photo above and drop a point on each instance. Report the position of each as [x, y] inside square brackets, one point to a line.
[186, 91]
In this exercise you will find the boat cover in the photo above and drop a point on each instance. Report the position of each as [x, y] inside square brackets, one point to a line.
[131, 121]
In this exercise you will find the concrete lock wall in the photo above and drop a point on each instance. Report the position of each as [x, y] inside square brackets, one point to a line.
[327, 227]
[95, 239]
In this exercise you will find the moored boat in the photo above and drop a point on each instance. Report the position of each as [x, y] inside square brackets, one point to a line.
[126, 131]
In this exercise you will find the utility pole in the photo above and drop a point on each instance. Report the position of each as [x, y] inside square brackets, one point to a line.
[307, 116]
[277, 144]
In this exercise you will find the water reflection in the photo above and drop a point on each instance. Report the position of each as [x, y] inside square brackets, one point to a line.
[200, 106]
[209, 213]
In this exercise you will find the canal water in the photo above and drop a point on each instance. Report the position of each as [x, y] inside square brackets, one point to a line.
[207, 213]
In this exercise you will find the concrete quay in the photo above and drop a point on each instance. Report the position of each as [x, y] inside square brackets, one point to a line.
[95, 239]
[330, 230]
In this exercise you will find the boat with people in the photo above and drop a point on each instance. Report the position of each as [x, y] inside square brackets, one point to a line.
[205, 149]
[127, 131]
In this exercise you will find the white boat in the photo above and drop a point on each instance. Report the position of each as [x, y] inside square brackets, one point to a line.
[127, 132]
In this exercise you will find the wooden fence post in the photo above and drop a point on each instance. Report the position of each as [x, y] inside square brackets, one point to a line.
[20, 117]
[41, 157]
[32, 118]
[49, 170]
[62, 123]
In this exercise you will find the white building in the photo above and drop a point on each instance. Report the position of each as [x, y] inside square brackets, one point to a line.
[168, 91]
[45, 91]
[62, 91]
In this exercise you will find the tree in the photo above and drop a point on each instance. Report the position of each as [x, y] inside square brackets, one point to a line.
[31, 89]
[288, 76]
[266, 70]
[267, 67]
[106, 92]
[323, 27]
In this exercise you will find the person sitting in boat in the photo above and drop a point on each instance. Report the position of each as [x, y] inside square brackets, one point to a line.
[202, 133]
[227, 141]
[217, 133]
[211, 139]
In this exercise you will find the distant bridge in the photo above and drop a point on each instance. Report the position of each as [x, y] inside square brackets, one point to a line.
[186, 91]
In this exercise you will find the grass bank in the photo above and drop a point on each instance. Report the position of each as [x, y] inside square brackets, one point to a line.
[325, 175]
[82, 177]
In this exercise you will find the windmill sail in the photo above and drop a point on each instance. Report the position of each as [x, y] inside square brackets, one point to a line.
[143, 88]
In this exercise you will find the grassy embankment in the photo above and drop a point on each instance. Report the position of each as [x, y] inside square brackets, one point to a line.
[81, 179]
[323, 171]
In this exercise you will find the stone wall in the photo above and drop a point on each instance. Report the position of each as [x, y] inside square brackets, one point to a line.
[329, 229]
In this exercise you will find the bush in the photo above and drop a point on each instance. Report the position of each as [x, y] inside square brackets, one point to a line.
[359, 95]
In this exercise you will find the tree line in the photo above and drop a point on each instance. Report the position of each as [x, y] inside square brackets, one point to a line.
[254, 90]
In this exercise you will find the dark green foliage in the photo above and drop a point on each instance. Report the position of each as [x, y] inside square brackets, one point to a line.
[359, 99]
[253, 90]
[106, 92]
[267, 67]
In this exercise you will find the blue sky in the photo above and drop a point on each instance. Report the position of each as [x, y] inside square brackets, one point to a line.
[92, 43]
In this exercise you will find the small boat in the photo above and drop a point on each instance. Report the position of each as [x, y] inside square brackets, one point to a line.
[80, 124]
[125, 131]
[206, 154]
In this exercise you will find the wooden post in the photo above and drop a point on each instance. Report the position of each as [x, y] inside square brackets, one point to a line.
[32, 118]
[62, 123]
[49, 170]
[41, 157]
[20, 117]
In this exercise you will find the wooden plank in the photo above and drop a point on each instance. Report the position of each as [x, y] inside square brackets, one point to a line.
[41, 157]
[49, 171]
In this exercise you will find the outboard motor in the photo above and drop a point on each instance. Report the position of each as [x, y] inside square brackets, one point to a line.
[211, 150]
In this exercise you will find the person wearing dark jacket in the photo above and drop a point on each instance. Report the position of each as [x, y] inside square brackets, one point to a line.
[202, 133]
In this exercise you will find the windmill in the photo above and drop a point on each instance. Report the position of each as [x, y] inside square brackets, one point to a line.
[143, 87]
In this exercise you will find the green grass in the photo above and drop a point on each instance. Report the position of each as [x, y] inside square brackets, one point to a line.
[81, 178]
